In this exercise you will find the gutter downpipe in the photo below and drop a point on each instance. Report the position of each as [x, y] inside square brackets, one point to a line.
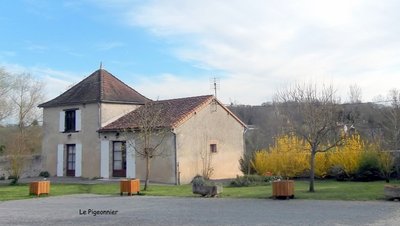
[177, 173]
[244, 144]
[99, 122]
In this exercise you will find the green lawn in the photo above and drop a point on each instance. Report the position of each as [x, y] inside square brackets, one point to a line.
[325, 190]
[333, 190]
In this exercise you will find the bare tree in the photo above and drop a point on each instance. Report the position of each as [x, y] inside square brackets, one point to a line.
[392, 123]
[206, 156]
[27, 93]
[263, 125]
[355, 94]
[254, 140]
[148, 133]
[6, 81]
[311, 113]
[17, 152]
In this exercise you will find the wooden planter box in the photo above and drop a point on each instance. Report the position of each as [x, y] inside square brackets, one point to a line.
[39, 187]
[130, 186]
[283, 189]
[391, 192]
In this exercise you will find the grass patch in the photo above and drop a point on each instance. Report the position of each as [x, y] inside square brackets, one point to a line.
[21, 191]
[170, 190]
[325, 190]
[334, 190]
[8, 192]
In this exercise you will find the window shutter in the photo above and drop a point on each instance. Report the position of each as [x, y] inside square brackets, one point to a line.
[78, 120]
[62, 121]
[130, 159]
[105, 159]
[78, 160]
[60, 160]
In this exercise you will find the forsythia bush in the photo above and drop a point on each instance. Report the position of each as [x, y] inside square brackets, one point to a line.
[288, 157]
[262, 162]
[356, 157]
[386, 163]
[348, 156]
[322, 164]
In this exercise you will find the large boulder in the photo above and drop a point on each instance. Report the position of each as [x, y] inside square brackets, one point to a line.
[202, 187]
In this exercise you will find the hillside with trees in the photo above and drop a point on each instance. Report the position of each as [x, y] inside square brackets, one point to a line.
[375, 122]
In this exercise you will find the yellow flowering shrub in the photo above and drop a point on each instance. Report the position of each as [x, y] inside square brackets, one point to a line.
[386, 162]
[322, 164]
[288, 157]
[348, 156]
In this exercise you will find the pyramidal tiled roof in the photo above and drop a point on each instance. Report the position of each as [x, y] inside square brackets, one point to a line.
[100, 86]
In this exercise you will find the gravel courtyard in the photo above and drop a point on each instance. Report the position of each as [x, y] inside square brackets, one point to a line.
[146, 210]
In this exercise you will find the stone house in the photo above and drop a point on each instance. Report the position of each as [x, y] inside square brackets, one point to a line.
[84, 127]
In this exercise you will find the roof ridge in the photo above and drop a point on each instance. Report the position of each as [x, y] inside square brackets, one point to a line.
[173, 116]
[188, 114]
[66, 91]
[86, 78]
[115, 77]
[182, 98]
[101, 87]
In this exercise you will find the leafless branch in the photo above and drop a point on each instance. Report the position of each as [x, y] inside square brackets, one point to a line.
[311, 113]
[148, 132]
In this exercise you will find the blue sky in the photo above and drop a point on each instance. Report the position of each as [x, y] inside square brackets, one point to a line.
[170, 49]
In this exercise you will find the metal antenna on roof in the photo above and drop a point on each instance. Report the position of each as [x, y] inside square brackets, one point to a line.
[101, 65]
[214, 84]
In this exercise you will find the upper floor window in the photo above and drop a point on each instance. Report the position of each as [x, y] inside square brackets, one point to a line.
[70, 120]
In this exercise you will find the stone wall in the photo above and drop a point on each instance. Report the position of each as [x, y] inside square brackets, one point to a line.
[33, 166]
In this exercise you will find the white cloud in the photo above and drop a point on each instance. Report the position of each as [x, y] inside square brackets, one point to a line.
[168, 86]
[261, 45]
[231, 89]
[56, 82]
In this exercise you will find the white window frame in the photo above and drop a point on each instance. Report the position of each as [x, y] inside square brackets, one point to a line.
[78, 120]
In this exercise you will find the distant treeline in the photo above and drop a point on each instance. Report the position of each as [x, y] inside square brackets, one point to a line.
[375, 122]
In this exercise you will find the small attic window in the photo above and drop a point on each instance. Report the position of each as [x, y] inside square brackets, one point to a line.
[213, 148]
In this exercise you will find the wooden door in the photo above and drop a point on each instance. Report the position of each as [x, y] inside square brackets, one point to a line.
[71, 157]
[119, 159]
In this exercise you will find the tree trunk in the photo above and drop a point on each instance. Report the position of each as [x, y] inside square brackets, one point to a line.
[312, 169]
[248, 168]
[147, 173]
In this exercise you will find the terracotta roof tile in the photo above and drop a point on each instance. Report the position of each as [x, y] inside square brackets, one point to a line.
[100, 86]
[173, 112]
